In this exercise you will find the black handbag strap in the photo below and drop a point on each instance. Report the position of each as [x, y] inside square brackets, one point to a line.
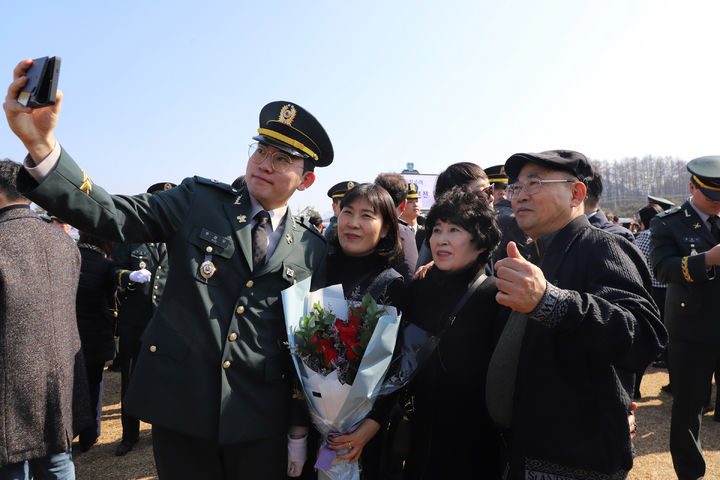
[472, 287]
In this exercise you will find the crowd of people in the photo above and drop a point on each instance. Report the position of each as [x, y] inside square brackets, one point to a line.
[544, 313]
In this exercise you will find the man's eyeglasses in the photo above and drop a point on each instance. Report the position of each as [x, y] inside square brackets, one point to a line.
[281, 162]
[531, 187]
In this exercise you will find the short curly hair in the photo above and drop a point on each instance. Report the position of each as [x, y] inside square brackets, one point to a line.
[471, 211]
[8, 185]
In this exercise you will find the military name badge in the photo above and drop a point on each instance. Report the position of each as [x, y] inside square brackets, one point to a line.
[142, 265]
[207, 269]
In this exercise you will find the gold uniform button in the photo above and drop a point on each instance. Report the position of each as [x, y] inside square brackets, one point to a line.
[154, 297]
[159, 267]
[240, 310]
[208, 249]
[232, 337]
[249, 284]
[156, 287]
[226, 364]
[153, 348]
[682, 304]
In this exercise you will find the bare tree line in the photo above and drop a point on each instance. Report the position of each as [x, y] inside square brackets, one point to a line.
[628, 181]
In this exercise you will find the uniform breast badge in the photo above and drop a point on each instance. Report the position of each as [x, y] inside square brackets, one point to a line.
[142, 265]
[207, 268]
[693, 251]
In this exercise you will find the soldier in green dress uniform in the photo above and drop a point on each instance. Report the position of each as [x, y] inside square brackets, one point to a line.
[685, 255]
[213, 376]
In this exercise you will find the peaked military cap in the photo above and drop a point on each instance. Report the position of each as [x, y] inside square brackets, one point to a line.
[664, 203]
[496, 174]
[706, 175]
[412, 191]
[340, 189]
[160, 186]
[292, 129]
[568, 160]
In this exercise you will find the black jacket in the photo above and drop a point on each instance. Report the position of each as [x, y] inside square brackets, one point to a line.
[94, 304]
[570, 410]
[453, 433]
[600, 221]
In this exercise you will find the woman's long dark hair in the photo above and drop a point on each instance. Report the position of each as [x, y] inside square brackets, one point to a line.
[390, 246]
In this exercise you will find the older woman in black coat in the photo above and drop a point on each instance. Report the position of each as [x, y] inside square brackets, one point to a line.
[452, 432]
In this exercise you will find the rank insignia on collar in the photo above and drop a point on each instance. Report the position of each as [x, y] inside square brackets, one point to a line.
[289, 238]
[696, 226]
[237, 200]
[290, 272]
[686, 213]
[241, 218]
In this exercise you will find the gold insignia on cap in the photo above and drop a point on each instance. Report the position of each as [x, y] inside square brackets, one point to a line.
[207, 269]
[350, 185]
[289, 238]
[287, 114]
[502, 170]
[241, 218]
[413, 187]
[167, 186]
[86, 185]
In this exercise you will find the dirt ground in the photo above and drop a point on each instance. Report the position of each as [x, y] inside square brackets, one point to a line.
[652, 462]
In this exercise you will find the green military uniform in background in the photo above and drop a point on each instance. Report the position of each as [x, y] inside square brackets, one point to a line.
[680, 240]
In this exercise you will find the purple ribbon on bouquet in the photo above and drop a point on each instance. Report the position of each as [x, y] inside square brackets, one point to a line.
[327, 455]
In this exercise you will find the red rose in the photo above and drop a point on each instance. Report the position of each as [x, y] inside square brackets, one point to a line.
[355, 322]
[325, 347]
[339, 324]
[348, 335]
[351, 352]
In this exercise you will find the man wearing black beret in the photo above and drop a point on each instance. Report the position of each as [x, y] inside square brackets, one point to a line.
[213, 375]
[581, 311]
[685, 254]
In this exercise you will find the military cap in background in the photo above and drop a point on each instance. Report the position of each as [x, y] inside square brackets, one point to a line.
[412, 191]
[664, 203]
[340, 189]
[292, 129]
[160, 186]
[496, 174]
[568, 160]
[706, 175]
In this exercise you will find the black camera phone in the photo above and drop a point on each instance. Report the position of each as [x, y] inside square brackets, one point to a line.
[41, 87]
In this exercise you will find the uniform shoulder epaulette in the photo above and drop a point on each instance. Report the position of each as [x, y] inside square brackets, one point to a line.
[216, 184]
[669, 211]
[305, 222]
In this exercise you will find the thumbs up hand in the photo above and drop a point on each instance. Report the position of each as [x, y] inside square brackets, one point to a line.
[521, 284]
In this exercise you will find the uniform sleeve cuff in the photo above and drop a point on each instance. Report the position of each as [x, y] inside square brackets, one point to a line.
[40, 172]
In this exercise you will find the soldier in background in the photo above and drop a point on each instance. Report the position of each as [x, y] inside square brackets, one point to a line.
[499, 180]
[411, 214]
[141, 270]
[685, 254]
[336, 193]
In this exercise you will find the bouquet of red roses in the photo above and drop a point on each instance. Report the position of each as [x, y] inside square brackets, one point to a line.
[342, 354]
[328, 343]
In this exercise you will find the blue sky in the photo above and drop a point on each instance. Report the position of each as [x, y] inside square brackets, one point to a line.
[158, 91]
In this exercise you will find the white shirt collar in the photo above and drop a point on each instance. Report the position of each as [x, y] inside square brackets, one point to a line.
[276, 216]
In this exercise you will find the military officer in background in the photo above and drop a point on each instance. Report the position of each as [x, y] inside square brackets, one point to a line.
[499, 181]
[336, 193]
[213, 376]
[685, 255]
[141, 270]
[411, 215]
